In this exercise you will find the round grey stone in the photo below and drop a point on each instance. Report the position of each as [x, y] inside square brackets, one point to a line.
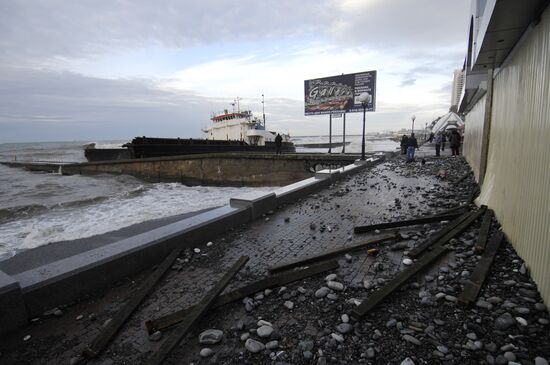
[264, 331]
[210, 337]
[344, 328]
[254, 346]
[510, 356]
[271, 345]
[206, 352]
[322, 292]
[407, 361]
[504, 321]
[334, 285]
[540, 361]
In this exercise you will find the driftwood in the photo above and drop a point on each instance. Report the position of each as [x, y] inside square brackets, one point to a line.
[267, 283]
[473, 284]
[181, 330]
[332, 253]
[108, 332]
[401, 278]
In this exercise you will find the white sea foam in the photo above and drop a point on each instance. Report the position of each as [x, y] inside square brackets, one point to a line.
[121, 210]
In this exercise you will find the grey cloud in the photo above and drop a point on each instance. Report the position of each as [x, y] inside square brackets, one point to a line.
[421, 24]
[407, 82]
[34, 30]
[46, 105]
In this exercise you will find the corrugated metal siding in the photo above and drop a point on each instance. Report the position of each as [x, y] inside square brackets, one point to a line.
[517, 181]
[473, 136]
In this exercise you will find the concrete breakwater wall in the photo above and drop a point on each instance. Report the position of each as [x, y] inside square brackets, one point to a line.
[29, 293]
[231, 169]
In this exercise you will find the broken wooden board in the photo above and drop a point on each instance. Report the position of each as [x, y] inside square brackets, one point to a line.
[267, 283]
[484, 231]
[473, 284]
[454, 228]
[401, 278]
[404, 223]
[108, 332]
[206, 302]
[332, 253]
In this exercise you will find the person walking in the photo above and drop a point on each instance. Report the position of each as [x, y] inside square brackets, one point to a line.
[438, 140]
[454, 140]
[278, 143]
[404, 144]
[431, 137]
[443, 140]
[411, 146]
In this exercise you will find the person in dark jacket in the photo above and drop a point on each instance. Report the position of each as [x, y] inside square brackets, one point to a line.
[404, 144]
[455, 142]
[431, 137]
[412, 144]
[438, 140]
[443, 140]
[278, 143]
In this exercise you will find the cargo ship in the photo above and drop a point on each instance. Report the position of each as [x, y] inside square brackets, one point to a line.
[238, 131]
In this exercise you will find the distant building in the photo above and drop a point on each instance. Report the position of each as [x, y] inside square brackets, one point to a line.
[458, 85]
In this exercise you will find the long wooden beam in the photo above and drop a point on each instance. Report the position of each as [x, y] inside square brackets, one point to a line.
[332, 253]
[453, 229]
[404, 223]
[267, 283]
[484, 231]
[473, 284]
[401, 278]
[206, 302]
[108, 332]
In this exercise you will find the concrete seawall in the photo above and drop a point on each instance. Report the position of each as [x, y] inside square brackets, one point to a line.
[232, 169]
[29, 293]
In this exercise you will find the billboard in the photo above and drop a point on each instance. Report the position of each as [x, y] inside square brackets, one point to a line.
[339, 93]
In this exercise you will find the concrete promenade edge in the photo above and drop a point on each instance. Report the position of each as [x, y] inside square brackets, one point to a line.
[26, 294]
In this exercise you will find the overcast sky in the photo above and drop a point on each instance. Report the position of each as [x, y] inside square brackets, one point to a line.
[114, 69]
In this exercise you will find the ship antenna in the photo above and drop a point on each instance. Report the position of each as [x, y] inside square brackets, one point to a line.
[238, 105]
[263, 108]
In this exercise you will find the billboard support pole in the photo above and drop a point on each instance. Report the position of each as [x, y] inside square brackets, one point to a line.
[344, 135]
[363, 140]
[330, 132]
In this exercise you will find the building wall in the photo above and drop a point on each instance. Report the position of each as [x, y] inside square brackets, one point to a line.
[473, 133]
[517, 180]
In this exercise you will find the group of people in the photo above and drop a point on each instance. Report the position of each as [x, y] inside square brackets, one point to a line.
[454, 139]
[409, 143]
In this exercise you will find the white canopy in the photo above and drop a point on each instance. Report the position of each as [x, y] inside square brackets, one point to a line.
[451, 120]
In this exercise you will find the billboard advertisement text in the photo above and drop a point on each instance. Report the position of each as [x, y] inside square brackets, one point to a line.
[339, 93]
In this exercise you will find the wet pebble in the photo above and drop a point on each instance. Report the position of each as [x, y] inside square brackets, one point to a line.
[206, 352]
[254, 346]
[210, 337]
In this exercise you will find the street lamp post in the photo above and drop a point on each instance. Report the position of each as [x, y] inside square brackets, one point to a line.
[413, 118]
[364, 99]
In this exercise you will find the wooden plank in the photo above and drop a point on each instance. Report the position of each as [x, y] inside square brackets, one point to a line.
[267, 283]
[473, 284]
[108, 332]
[332, 253]
[484, 231]
[401, 278]
[405, 223]
[453, 229]
[181, 330]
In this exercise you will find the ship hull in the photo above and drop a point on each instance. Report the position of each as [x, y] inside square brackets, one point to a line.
[143, 147]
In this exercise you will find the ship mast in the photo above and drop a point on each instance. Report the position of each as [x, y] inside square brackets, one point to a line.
[263, 108]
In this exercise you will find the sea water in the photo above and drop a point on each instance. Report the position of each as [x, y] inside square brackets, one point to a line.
[38, 208]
